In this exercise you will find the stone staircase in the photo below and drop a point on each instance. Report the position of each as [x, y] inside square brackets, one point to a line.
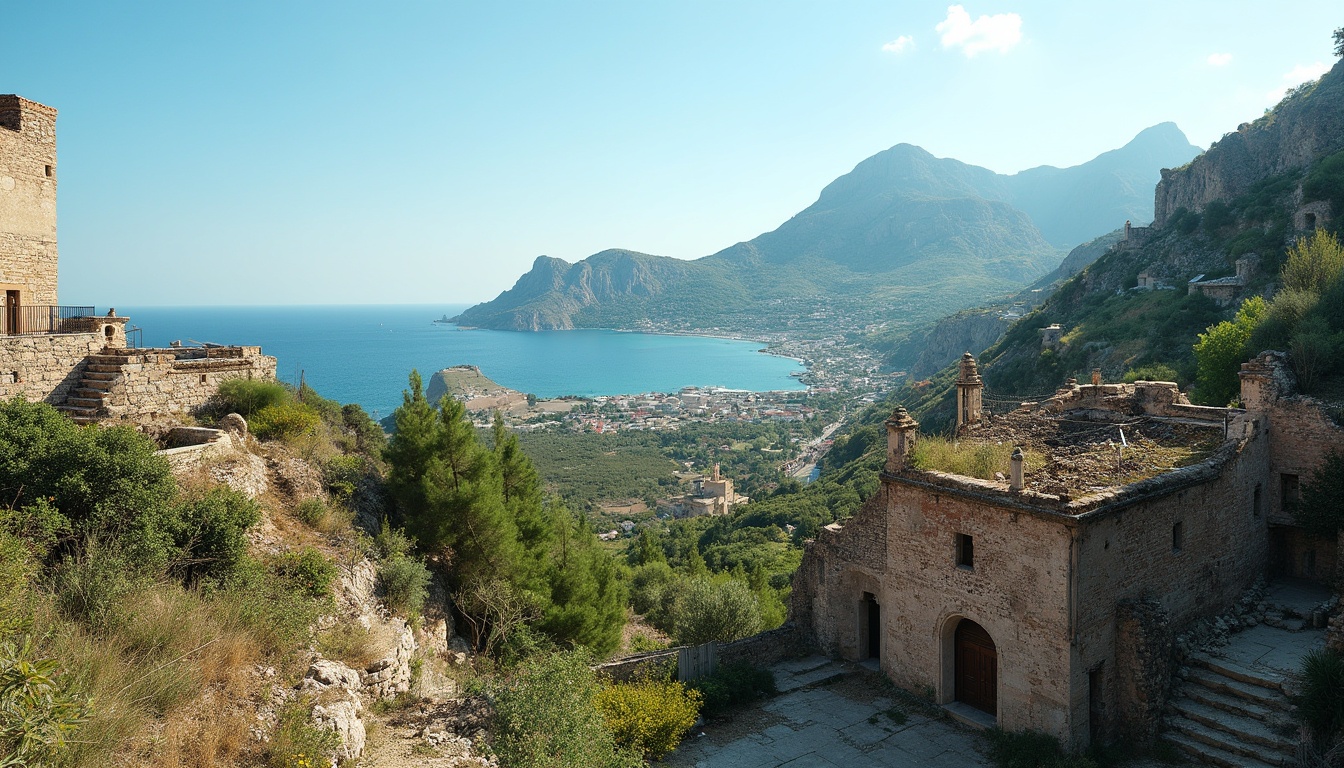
[85, 402]
[1229, 715]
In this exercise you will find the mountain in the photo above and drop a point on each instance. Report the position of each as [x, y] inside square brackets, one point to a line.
[904, 237]
[1074, 205]
[1244, 201]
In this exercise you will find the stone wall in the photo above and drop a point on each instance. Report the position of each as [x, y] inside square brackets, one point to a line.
[154, 382]
[761, 649]
[45, 366]
[1143, 657]
[28, 200]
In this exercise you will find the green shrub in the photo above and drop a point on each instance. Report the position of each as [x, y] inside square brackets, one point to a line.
[545, 717]
[392, 542]
[210, 532]
[1031, 749]
[714, 609]
[648, 716]
[298, 743]
[37, 716]
[272, 609]
[733, 685]
[311, 512]
[405, 582]
[91, 585]
[284, 420]
[307, 571]
[342, 474]
[1320, 706]
[1152, 372]
[250, 396]
[1319, 510]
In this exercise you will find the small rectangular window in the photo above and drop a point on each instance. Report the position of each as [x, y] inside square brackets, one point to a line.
[1290, 491]
[965, 551]
[48, 171]
[1255, 503]
[1177, 536]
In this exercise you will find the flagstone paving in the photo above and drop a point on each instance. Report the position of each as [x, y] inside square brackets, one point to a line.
[831, 713]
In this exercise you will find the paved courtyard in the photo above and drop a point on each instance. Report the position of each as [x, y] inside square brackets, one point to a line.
[828, 714]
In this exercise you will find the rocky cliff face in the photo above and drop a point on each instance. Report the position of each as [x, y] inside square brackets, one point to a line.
[1302, 129]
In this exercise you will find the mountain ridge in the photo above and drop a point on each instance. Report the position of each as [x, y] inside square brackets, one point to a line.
[903, 230]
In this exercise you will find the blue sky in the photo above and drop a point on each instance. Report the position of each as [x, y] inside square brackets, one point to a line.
[336, 152]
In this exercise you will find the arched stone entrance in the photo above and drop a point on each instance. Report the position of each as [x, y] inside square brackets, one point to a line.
[976, 667]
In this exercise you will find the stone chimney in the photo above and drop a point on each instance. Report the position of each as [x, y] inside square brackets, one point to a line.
[1015, 470]
[1264, 379]
[1096, 377]
[970, 387]
[716, 471]
[901, 431]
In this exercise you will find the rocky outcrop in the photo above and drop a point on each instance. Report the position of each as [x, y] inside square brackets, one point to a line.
[1301, 130]
[929, 351]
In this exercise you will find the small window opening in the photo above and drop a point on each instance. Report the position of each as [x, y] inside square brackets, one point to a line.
[1255, 503]
[48, 168]
[1290, 491]
[965, 551]
[202, 378]
[1311, 217]
[1177, 536]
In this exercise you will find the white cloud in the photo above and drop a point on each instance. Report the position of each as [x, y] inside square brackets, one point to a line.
[1297, 76]
[999, 32]
[1219, 59]
[899, 44]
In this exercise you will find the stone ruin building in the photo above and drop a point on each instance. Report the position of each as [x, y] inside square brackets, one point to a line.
[1049, 598]
[70, 356]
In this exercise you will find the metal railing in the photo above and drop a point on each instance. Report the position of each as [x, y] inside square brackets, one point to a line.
[135, 337]
[39, 318]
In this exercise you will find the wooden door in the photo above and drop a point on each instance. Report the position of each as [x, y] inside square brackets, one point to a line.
[12, 312]
[977, 668]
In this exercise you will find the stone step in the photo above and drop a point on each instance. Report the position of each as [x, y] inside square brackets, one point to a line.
[93, 388]
[102, 368]
[109, 376]
[1211, 755]
[1222, 741]
[84, 402]
[1257, 694]
[1244, 728]
[1261, 677]
[1275, 716]
[76, 410]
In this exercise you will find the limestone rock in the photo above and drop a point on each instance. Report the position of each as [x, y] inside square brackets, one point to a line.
[342, 716]
[235, 424]
[325, 673]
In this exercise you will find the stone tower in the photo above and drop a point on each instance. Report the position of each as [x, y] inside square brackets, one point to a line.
[901, 431]
[970, 387]
[27, 204]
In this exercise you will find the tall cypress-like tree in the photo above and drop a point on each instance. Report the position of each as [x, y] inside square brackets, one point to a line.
[482, 512]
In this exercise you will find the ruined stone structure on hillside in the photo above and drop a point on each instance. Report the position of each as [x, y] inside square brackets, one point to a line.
[1048, 598]
[71, 356]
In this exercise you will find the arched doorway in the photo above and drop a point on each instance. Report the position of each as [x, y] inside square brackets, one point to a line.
[977, 667]
[872, 619]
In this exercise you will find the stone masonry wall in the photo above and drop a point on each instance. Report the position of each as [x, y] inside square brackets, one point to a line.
[1143, 651]
[28, 200]
[157, 382]
[44, 367]
[1132, 551]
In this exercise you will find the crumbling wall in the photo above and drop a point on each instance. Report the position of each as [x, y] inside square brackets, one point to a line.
[156, 382]
[1143, 657]
[846, 559]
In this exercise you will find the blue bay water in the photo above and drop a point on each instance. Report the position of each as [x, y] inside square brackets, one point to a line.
[363, 354]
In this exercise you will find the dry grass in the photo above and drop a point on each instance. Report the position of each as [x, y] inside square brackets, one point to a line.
[978, 460]
[148, 675]
[357, 647]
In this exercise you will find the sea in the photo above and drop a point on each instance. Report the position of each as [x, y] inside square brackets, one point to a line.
[364, 354]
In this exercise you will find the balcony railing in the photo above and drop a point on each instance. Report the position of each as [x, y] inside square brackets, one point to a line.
[38, 318]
